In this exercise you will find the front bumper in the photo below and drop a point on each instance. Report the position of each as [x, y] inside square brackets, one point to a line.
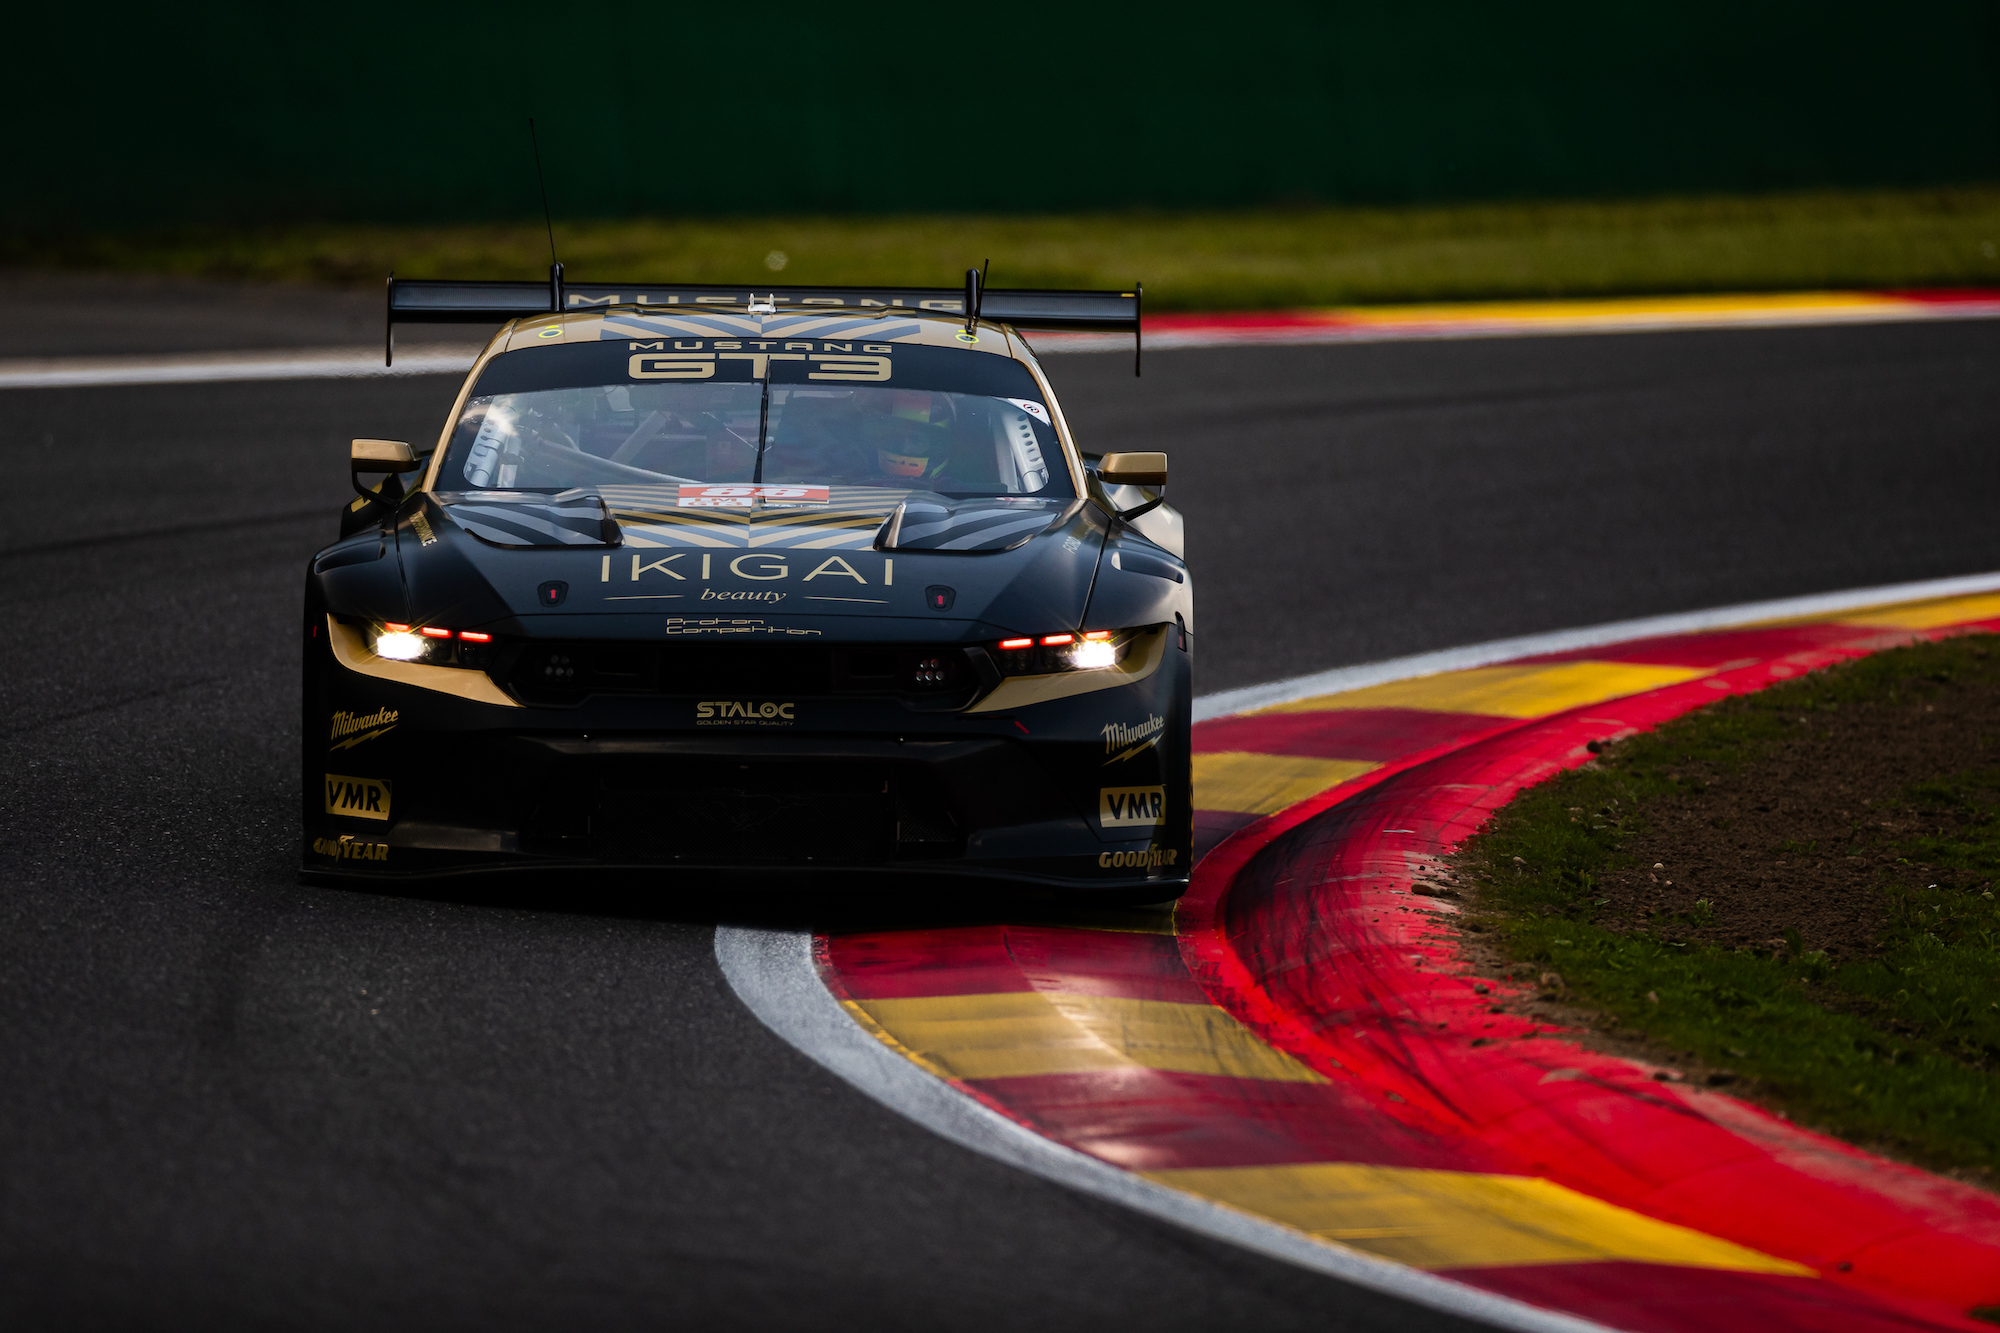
[402, 782]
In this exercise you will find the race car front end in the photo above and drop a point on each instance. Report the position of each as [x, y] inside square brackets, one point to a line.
[629, 656]
[743, 742]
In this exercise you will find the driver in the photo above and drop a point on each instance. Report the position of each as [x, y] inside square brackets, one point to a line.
[909, 446]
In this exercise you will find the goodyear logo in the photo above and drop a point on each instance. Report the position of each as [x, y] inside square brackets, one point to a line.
[347, 849]
[1124, 807]
[357, 798]
[1152, 858]
[743, 713]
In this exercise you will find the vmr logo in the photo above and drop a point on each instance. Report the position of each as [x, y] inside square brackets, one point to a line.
[740, 713]
[1122, 807]
[357, 798]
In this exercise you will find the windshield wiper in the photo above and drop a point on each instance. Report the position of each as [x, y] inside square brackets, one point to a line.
[763, 427]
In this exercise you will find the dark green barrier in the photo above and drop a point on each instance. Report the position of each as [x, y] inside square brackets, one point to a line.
[409, 112]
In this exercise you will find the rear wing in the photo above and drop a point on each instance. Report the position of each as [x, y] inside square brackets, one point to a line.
[435, 301]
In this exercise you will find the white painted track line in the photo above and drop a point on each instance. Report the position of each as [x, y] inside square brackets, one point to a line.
[442, 359]
[1252, 697]
[302, 363]
[772, 972]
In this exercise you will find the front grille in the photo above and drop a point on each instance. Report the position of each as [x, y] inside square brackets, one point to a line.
[562, 672]
[747, 816]
[661, 810]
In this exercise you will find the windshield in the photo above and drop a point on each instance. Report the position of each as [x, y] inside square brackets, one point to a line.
[725, 435]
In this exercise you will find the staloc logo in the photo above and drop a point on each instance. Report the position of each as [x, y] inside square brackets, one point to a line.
[743, 713]
[1125, 807]
[357, 798]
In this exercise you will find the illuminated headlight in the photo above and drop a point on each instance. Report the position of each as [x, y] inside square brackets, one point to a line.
[1093, 654]
[1092, 650]
[432, 645]
[400, 646]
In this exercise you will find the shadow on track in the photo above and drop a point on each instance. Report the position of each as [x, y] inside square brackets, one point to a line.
[832, 903]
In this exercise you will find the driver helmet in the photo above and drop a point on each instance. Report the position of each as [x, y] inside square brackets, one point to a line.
[910, 444]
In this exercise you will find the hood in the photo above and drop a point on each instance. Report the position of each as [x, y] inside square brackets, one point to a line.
[611, 565]
[974, 526]
[530, 518]
[753, 517]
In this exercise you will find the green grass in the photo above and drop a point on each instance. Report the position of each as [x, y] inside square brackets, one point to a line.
[1901, 1050]
[1270, 258]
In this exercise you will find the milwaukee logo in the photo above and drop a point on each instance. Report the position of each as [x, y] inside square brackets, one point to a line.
[1122, 741]
[349, 730]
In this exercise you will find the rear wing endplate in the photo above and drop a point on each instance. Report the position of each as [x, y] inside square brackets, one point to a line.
[435, 301]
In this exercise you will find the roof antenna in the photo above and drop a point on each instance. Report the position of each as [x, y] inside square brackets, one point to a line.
[1138, 338]
[975, 296]
[555, 269]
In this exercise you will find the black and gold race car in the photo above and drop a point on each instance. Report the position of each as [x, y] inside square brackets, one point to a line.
[703, 579]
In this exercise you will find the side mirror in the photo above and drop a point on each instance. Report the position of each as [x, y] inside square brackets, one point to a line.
[1124, 469]
[1134, 470]
[380, 456]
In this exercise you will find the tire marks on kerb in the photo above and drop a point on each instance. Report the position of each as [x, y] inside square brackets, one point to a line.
[773, 973]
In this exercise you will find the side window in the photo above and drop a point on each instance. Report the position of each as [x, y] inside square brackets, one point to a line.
[1019, 452]
[494, 460]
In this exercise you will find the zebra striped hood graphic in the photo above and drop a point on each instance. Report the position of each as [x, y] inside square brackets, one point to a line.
[853, 518]
[847, 520]
[934, 523]
[525, 518]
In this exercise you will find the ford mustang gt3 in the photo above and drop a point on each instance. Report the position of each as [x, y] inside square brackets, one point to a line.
[703, 580]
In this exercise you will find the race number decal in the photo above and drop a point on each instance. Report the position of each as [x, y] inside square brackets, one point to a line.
[746, 497]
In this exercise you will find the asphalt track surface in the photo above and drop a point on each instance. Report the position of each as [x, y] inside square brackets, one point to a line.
[230, 1101]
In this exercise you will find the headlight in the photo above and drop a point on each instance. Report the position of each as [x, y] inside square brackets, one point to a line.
[431, 644]
[1092, 654]
[399, 646]
[1092, 650]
